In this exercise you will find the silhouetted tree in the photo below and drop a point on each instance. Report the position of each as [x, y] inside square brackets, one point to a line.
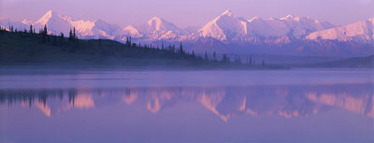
[71, 35]
[45, 30]
[108, 48]
[225, 59]
[206, 56]
[62, 38]
[128, 41]
[172, 48]
[181, 51]
[214, 56]
[74, 34]
[31, 30]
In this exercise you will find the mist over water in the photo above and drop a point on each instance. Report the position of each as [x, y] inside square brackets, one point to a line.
[187, 106]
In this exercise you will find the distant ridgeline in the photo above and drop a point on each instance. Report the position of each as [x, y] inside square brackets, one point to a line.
[28, 48]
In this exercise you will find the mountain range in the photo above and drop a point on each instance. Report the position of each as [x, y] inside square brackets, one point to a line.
[227, 33]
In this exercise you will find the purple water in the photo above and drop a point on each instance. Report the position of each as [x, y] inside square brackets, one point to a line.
[297, 106]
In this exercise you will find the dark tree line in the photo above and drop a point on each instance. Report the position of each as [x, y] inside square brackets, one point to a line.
[130, 49]
[31, 96]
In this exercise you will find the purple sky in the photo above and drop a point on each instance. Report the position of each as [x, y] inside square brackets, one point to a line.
[189, 12]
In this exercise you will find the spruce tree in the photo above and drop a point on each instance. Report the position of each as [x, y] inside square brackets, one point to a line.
[31, 29]
[128, 41]
[237, 59]
[45, 30]
[224, 58]
[206, 56]
[181, 51]
[62, 38]
[74, 35]
[214, 56]
[70, 35]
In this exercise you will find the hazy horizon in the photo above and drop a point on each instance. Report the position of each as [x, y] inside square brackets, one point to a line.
[189, 13]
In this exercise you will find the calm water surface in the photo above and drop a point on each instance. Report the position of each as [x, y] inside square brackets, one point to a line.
[297, 106]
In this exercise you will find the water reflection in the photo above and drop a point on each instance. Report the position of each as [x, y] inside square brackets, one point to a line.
[224, 102]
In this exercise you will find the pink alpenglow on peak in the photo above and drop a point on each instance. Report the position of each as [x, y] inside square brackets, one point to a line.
[288, 17]
[226, 28]
[361, 31]
[227, 13]
[158, 24]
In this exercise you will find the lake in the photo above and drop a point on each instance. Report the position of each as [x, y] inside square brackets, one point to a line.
[114, 106]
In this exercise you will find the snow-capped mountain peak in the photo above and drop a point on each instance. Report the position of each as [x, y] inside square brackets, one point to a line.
[51, 16]
[288, 17]
[254, 18]
[155, 20]
[58, 23]
[158, 24]
[225, 27]
[6, 23]
[131, 31]
[27, 22]
[227, 13]
[302, 26]
[229, 27]
[292, 18]
[156, 29]
[362, 31]
[371, 19]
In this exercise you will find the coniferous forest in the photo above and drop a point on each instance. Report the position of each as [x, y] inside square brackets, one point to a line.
[29, 48]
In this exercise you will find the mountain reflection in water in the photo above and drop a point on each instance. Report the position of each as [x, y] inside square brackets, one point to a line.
[225, 102]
